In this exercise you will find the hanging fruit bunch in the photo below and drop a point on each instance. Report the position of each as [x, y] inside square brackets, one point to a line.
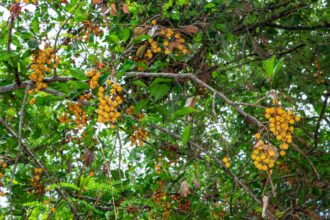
[264, 156]
[138, 136]
[110, 99]
[38, 187]
[43, 61]
[281, 125]
[80, 117]
[163, 41]
[3, 167]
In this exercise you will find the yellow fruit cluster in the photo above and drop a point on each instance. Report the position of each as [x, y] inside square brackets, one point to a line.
[80, 115]
[166, 41]
[173, 40]
[159, 194]
[32, 101]
[138, 136]
[226, 161]
[85, 97]
[109, 103]
[130, 110]
[3, 167]
[64, 118]
[35, 181]
[94, 77]
[264, 156]
[281, 124]
[42, 63]
[90, 28]
[26, 1]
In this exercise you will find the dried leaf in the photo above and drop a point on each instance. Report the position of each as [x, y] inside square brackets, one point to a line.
[196, 183]
[184, 189]
[175, 44]
[138, 31]
[265, 200]
[190, 102]
[124, 8]
[89, 157]
[191, 29]
[104, 9]
[113, 10]
[96, 1]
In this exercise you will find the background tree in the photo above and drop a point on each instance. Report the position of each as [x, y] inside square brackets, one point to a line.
[164, 109]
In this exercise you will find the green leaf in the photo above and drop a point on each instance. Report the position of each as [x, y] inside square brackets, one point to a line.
[125, 34]
[268, 66]
[158, 91]
[278, 67]
[140, 39]
[35, 25]
[182, 2]
[183, 111]
[129, 64]
[5, 55]
[113, 38]
[78, 74]
[271, 67]
[186, 134]
[11, 112]
[161, 80]
[141, 104]
[139, 83]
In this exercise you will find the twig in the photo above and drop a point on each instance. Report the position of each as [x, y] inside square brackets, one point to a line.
[120, 147]
[59, 31]
[10, 32]
[191, 76]
[316, 132]
[298, 28]
[39, 164]
[10, 38]
[110, 177]
[19, 150]
[219, 162]
[306, 157]
[242, 28]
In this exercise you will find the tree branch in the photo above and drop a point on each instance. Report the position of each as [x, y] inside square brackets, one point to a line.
[19, 150]
[192, 77]
[39, 164]
[298, 28]
[219, 162]
[243, 28]
[59, 31]
[10, 38]
[11, 87]
[306, 157]
[316, 132]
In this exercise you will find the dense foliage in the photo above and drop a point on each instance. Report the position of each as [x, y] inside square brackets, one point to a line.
[175, 109]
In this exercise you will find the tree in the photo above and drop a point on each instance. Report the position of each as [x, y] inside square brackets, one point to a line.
[164, 109]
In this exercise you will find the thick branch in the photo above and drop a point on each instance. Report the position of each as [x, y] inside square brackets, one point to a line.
[244, 28]
[192, 77]
[11, 87]
[298, 28]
